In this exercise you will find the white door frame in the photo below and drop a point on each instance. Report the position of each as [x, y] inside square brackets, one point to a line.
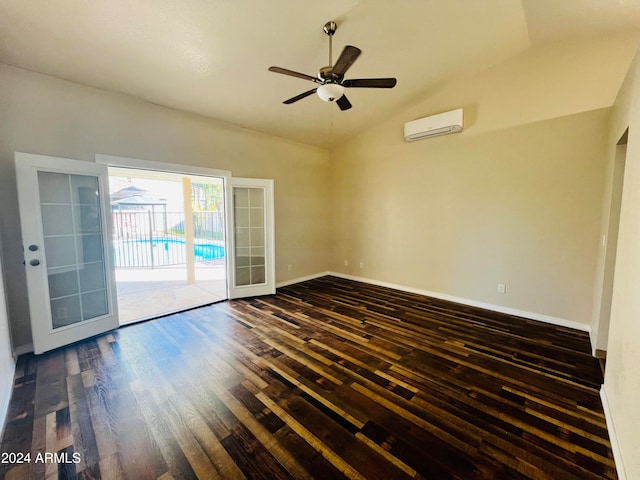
[229, 183]
[178, 168]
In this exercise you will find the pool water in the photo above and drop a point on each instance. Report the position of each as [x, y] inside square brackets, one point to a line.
[162, 252]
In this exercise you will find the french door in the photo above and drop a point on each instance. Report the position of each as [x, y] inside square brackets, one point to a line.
[252, 239]
[66, 231]
[65, 222]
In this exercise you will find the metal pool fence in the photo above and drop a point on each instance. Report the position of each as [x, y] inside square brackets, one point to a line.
[148, 239]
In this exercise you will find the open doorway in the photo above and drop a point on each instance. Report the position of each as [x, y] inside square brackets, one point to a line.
[611, 246]
[168, 241]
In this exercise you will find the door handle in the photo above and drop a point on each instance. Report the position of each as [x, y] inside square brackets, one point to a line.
[34, 263]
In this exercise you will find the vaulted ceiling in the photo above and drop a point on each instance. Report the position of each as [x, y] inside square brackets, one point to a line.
[210, 57]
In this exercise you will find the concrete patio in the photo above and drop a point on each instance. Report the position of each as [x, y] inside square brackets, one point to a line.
[145, 293]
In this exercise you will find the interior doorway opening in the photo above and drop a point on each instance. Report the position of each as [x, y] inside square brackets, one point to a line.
[611, 248]
[169, 241]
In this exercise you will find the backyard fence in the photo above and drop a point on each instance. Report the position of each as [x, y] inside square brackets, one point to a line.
[156, 239]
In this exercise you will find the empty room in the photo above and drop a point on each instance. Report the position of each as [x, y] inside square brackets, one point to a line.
[345, 239]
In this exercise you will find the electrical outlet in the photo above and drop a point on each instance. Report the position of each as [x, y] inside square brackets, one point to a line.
[346, 263]
[502, 288]
[289, 267]
[361, 264]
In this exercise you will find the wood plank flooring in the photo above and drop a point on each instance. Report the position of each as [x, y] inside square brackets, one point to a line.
[328, 379]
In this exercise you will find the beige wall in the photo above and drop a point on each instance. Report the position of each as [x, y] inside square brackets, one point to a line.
[458, 215]
[515, 198]
[622, 380]
[547, 82]
[53, 117]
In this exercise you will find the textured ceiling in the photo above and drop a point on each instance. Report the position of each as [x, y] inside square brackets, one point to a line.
[211, 57]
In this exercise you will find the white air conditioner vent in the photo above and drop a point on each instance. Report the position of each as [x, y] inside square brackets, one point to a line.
[441, 124]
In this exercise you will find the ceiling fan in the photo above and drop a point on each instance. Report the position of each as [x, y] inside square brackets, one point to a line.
[331, 77]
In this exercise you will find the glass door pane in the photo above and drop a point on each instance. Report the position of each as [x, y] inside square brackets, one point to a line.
[74, 249]
[250, 235]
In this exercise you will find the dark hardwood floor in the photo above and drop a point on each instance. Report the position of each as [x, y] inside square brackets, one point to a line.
[328, 379]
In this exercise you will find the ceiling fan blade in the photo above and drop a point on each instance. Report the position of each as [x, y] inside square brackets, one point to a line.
[349, 55]
[344, 103]
[301, 96]
[291, 73]
[370, 83]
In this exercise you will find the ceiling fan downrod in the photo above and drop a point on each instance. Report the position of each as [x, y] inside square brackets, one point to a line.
[330, 28]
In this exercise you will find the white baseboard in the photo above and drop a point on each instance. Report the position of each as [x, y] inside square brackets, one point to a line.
[22, 349]
[613, 437]
[28, 348]
[286, 283]
[562, 322]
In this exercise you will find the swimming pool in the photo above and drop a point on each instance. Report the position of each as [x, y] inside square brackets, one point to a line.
[162, 252]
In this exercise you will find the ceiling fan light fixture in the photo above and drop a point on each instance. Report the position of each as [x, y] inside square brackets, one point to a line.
[330, 92]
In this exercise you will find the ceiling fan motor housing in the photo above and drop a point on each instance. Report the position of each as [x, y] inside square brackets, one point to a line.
[326, 74]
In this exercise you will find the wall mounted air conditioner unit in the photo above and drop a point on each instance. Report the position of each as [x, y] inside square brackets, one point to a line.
[441, 124]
